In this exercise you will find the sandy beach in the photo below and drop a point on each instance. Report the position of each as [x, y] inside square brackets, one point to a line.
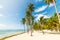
[29, 20]
[36, 36]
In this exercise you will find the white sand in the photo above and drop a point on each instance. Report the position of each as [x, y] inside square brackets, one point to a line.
[36, 36]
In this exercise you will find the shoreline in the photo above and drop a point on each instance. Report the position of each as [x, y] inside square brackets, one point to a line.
[36, 36]
[38, 32]
[11, 35]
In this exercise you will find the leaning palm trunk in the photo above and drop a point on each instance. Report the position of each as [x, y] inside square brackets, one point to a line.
[57, 14]
[24, 28]
[27, 25]
[31, 30]
[27, 29]
[31, 27]
[31, 24]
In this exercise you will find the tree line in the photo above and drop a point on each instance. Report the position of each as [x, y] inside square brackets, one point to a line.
[52, 23]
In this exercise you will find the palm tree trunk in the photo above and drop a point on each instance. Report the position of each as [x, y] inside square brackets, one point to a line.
[27, 25]
[57, 14]
[31, 27]
[24, 28]
[27, 29]
[31, 30]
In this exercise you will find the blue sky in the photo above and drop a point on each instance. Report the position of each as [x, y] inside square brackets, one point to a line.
[12, 11]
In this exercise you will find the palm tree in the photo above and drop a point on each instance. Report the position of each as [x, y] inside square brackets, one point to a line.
[23, 22]
[27, 19]
[54, 2]
[29, 16]
[43, 23]
[55, 21]
[32, 23]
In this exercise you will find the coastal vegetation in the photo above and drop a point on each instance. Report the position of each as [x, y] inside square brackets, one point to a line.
[54, 2]
[52, 23]
[29, 18]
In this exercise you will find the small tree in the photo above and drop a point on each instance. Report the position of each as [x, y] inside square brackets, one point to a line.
[23, 22]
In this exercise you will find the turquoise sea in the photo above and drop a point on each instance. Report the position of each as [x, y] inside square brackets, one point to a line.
[7, 32]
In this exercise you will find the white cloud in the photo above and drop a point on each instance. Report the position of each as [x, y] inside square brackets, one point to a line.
[1, 6]
[1, 15]
[41, 8]
[38, 16]
[8, 27]
[2, 25]
[51, 5]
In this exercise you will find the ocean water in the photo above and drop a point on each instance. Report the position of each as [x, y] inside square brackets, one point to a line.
[8, 32]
